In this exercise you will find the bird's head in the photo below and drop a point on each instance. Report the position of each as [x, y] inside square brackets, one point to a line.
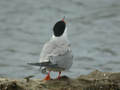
[59, 28]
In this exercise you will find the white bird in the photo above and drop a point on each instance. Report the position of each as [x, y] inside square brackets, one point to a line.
[56, 54]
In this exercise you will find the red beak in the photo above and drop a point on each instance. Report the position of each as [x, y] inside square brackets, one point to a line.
[63, 19]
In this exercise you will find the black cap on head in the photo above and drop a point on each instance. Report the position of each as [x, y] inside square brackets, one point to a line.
[59, 28]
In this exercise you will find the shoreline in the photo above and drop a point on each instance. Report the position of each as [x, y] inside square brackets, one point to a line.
[96, 80]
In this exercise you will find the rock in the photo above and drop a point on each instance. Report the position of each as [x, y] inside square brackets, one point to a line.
[96, 80]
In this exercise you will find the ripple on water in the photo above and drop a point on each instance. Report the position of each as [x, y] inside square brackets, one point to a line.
[93, 30]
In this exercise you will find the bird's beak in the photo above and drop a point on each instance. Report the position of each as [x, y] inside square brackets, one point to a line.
[63, 19]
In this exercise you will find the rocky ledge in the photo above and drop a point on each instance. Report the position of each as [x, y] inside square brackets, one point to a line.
[96, 80]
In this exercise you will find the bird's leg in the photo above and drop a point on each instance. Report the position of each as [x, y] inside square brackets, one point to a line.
[59, 75]
[48, 76]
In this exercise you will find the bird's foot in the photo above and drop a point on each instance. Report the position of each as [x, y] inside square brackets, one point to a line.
[47, 77]
[59, 76]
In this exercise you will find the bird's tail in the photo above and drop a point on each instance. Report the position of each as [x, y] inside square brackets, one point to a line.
[40, 64]
[34, 64]
[43, 64]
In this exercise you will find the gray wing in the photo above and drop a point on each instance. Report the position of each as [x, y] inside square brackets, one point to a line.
[57, 53]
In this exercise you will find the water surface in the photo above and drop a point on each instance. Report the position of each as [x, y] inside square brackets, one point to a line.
[93, 30]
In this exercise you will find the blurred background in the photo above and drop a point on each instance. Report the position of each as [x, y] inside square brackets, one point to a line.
[93, 31]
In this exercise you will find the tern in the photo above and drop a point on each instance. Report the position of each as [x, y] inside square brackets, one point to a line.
[56, 54]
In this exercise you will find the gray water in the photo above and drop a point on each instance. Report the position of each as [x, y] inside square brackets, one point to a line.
[93, 31]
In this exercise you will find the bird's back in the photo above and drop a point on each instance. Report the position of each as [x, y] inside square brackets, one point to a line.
[57, 51]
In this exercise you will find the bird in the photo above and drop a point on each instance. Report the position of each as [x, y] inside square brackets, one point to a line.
[56, 54]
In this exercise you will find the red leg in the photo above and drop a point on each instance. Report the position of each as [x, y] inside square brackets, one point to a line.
[48, 76]
[59, 75]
